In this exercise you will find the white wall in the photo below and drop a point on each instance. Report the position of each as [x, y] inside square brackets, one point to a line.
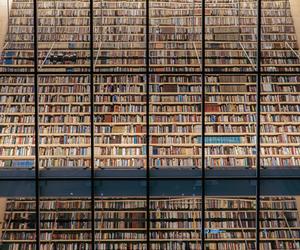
[4, 5]
[2, 213]
[295, 8]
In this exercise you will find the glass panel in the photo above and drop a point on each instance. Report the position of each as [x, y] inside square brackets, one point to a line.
[280, 120]
[64, 121]
[231, 38]
[279, 222]
[120, 217]
[65, 214]
[17, 215]
[63, 39]
[230, 210]
[17, 121]
[16, 36]
[175, 218]
[230, 223]
[120, 122]
[175, 120]
[280, 29]
[175, 35]
[119, 36]
[19, 223]
[230, 120]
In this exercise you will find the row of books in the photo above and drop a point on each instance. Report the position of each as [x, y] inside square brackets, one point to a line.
[140, 5]
[267, 118]
[155, 62]
[226, 161]
[159, 246]
[113, 8]
[156, 204]
[195, 141]
[215, 102]
[282, 131]
[189, 55]
[73, 43]
[161, 208]
[155, 118]
[109, 10]
[221, 158]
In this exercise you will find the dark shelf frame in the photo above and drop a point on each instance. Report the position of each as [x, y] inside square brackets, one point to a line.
[164, 182]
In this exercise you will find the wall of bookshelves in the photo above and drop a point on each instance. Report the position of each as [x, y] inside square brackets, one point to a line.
[175, 117]
[64, 121]
[175, 223]
[175, 100]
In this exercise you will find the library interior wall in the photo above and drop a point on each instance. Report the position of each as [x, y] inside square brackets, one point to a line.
[295, 8]
[295, 4]
[2, 212]
[298, 204]
[3, 20]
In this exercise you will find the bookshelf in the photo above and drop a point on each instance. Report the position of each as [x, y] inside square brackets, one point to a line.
[175, 100]
[175, 222]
